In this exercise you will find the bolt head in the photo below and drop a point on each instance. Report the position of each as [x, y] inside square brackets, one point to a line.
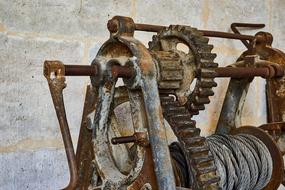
[113, 26]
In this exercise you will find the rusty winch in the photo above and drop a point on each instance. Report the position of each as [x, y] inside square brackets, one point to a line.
[138, 133]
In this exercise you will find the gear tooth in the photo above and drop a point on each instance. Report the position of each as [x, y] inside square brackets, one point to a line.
[186, 124]
[172, 27]
[185, 31]
[180, 110]
[207, 55]
[193, 112]
[186, 131]
[166, 100]
[204, 92]
[201, 100]
[208, 84]
[207, 73]
[174, 110]
[210, 182]
[205, 48]
[203, 159]
[181, 117]
[201, 39]
[199, 150]
[207, 169]
[180, 28]
[196, 107]
[208, 64]
[193, 140]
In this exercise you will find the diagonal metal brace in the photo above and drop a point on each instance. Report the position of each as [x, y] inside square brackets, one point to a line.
[55, 74]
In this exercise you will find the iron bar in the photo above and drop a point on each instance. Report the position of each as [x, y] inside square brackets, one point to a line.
[128, 72]
[209, 33]
[137, 138]
[218, 34]
[56, 86]
[122, 140]
[148, 27]
[80, 70]
[123, 71]
[248, 25]
[264, 72]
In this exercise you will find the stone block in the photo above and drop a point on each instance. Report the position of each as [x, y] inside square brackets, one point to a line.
[26, 109]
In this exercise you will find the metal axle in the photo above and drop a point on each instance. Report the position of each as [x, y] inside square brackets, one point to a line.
[221, 72]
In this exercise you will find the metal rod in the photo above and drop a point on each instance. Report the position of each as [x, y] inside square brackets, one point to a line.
[227, 35]
[209, 33]
[123, 71]
[80, 70]
[148, 27]
[249, 25]
[237, 72]
[128, 72]
[246, 25]
[122, 140]
[91, 70]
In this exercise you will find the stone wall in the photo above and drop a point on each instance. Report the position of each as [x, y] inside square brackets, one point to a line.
[31, 31]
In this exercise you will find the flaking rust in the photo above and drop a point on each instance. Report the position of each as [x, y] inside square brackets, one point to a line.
[156, 145]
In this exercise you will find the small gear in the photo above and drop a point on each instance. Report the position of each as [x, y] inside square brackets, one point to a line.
[197, 63]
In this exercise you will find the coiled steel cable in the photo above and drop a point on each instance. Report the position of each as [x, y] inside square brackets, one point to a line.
[243, 161]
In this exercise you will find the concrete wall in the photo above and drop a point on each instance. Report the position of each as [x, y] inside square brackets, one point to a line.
[31, 31]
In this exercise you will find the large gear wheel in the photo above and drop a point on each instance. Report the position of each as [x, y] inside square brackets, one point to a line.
[201, 170]
[198, 63]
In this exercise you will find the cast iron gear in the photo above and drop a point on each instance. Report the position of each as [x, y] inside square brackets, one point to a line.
[201, 174]
[198, 62]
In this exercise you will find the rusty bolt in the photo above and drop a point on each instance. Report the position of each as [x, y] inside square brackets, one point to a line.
[113, 25]
[139, 138]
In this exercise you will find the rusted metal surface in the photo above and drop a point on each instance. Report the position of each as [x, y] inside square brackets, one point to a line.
[120, 26]
[113, 26]
[234, 27]
[269, 71]
[230, 116]
[266, 66]
[275, 90]
[147, 178]
[80, 70]
[209, 33]
[227, 35]
[123, 71]
[232, 106]
[139, 138]
[149, 27]
[278, 165]
[276, 130]
[199, 169]
[264, 72]
[110, 174]
[84, 152]
[55, 75]
[197, 62]
[134, 155]
[120, 45]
